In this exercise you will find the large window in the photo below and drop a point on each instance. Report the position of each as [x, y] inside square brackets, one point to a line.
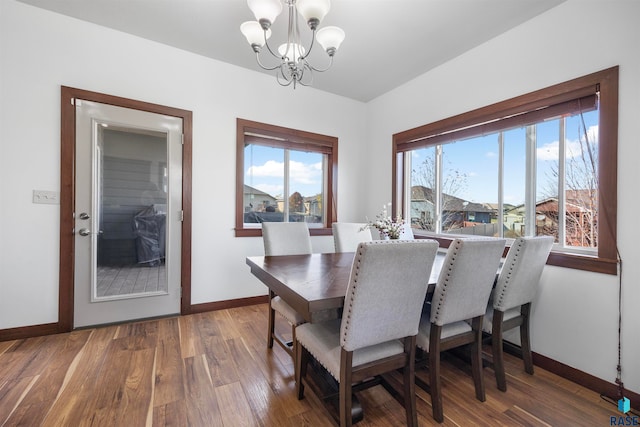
[540, 164]
[284, 175]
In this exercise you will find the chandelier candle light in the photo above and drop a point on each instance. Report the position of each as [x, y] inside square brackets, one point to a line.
[293, 67]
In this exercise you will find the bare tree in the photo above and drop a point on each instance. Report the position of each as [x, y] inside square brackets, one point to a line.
[581, 178]
[581, 191]
[296, 202]
[453, 184]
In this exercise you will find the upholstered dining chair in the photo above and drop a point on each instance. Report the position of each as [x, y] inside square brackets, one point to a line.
[383, 302]
[284, 238]
[407, 233]
[347, 235]
[461, 294]
[510, 302]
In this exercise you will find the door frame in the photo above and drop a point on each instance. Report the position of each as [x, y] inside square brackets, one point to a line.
[67, 194]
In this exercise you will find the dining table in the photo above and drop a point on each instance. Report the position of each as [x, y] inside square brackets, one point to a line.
[315, 284]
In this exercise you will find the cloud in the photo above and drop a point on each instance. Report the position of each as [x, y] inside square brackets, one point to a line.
[548, 151]
[300, 173]
[490, 154]
[551, 150]
[270, 169]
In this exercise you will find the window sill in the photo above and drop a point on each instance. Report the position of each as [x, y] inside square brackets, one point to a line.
[257, 232]
[584, 262]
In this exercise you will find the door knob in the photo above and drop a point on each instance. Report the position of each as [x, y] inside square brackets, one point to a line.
[84, 215]
[84, 232]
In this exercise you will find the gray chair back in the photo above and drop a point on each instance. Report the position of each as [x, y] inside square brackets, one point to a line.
[466, 279]
[286, 238]
[386, 291]
[407, 232]
[520, 275]
[347, 235]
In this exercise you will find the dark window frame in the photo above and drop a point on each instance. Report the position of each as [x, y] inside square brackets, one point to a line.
[295, 140]
[606, 82]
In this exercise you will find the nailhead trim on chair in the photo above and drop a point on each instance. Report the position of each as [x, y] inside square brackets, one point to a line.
[446, 281]
[510, 273]
[353, 290]
[358, 261]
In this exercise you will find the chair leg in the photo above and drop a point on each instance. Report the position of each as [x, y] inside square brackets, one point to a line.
[525, 341]
[409, 372]
[294, 343]
[496, 345]
[346, 360]
[272, 321]
[301, 362]
[434, 373]
[476, 358]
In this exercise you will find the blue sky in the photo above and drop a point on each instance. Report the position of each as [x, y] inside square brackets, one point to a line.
[477, 159]
[267, 171]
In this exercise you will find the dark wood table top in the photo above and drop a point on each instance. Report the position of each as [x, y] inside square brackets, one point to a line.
[313, 283]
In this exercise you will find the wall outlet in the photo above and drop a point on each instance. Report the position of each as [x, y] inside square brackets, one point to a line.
[48, 197]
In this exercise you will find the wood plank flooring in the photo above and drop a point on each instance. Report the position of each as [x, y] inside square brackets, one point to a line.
[213, 369]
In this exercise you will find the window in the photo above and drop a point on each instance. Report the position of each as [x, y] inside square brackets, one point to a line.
[544, 163]
[284, 175]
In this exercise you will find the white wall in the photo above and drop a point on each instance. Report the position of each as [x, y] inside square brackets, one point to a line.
[575, 315]
[40, 51]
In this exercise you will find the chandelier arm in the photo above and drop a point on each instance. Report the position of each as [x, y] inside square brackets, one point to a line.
[323, 69]
[264, 67]
[271, 52]
[287, 81]
[310, 68]
[313, 40]
[266, 43]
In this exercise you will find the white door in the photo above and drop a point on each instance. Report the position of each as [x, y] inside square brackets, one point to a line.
[128, 212]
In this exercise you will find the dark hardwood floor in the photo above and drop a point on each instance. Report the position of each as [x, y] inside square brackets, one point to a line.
[213, 369]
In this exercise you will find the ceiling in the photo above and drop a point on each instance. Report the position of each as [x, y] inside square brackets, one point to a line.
[388, 42]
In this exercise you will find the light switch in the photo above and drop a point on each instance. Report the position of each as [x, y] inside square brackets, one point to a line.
[48, 197]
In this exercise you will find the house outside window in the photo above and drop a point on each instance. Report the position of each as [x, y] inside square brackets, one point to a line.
[541, 164]
[284, 175]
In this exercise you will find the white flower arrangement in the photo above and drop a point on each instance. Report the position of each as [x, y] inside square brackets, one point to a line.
[386, 225]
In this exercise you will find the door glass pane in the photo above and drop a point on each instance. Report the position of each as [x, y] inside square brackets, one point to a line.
[131, 196]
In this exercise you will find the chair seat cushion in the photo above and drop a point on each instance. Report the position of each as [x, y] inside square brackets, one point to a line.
[286, 311]
[487, 322]
[449, 330]
[323, 342]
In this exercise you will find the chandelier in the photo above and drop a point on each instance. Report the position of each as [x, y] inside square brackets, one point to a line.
[293, 66]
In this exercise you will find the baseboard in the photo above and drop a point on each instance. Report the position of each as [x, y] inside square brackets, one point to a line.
[29, 331]
[24, 332]
[233, 303]
[605, 388]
